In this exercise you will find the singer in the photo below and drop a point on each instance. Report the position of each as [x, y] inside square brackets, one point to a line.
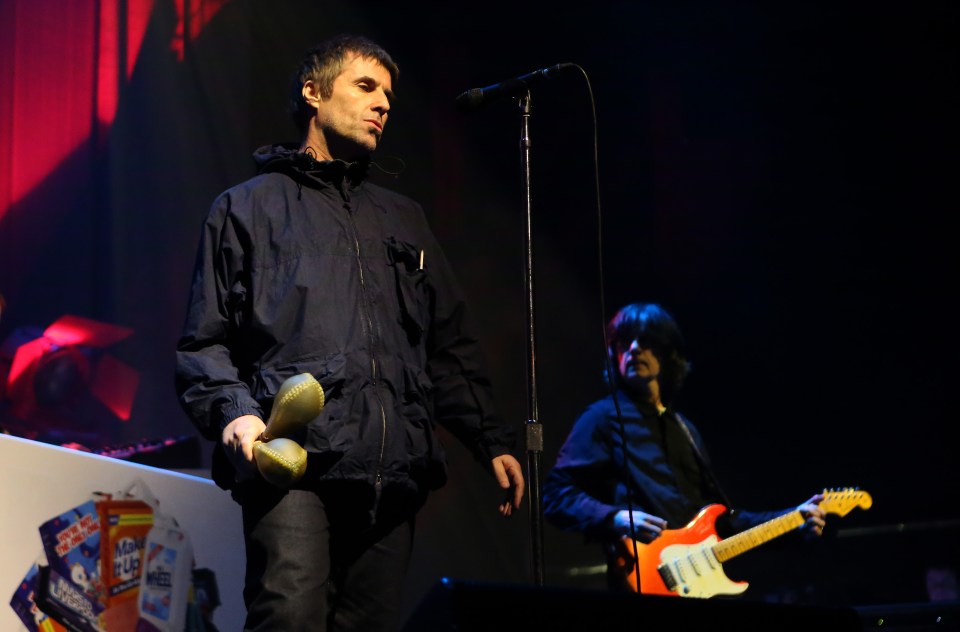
[653, 467]
[309, 268]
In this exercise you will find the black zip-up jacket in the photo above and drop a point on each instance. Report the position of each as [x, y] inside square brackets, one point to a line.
[309, 268]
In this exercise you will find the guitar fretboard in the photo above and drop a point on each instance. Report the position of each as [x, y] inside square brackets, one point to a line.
[755, 536]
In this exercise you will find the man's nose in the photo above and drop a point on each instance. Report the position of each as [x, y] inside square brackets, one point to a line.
[382, 105]
[635, 346]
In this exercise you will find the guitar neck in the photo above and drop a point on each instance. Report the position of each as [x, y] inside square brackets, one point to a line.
[751, 538]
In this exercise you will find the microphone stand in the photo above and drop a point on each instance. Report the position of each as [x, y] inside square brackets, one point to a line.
[534, 431]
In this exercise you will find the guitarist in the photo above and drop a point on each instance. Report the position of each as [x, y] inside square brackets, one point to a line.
[653, 464]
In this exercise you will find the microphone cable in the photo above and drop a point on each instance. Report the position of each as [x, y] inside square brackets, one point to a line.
[608, 360]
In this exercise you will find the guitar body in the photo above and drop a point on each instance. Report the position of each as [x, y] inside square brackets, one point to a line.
[683, 556]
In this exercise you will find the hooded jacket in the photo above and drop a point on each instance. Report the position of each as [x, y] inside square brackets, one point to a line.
[307, 267]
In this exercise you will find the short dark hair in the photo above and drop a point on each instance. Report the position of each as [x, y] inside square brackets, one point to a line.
[323, 63]
[652, 324]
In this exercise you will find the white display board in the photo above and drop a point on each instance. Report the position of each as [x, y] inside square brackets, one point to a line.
[40, 481]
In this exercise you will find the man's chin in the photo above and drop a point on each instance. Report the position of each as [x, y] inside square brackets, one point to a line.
[353, 150]
[371, 140]
[638, 379]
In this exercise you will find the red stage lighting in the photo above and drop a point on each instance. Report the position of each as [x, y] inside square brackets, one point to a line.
[63, 380]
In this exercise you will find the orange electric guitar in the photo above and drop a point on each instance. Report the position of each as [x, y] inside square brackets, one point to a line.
[688, 562]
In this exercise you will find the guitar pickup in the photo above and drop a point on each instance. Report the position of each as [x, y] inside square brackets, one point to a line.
[667, 576]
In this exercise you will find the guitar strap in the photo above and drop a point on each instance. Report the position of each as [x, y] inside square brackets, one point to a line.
[704, 465]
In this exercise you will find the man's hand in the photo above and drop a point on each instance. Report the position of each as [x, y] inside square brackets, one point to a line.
[646, 526]
[238, 439]
[814, 516]
[509, 475]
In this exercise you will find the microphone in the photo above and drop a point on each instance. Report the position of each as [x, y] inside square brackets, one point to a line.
[478, 97]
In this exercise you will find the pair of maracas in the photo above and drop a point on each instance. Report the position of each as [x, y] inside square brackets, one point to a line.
[281, 460]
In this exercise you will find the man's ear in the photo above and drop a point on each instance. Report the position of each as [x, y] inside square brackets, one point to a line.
[311, 93]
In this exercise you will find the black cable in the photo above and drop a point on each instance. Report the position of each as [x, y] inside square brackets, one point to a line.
[609, 372]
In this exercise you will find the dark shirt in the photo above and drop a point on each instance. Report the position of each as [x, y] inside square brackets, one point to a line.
[663, 471]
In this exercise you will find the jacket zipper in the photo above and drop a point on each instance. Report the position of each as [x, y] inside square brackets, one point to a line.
[374, 369]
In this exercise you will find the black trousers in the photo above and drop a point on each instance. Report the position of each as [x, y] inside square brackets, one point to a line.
[313, 565]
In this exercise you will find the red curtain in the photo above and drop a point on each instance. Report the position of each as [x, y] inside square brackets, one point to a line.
[68, 71]
[65, 68]
[49, 84]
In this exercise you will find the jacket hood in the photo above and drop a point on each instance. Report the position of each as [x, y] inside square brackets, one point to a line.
[303, 167]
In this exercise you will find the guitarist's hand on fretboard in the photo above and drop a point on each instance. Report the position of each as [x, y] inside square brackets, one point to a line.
[814, 516]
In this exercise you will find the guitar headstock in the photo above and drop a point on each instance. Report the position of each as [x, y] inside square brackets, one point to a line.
[842, 501]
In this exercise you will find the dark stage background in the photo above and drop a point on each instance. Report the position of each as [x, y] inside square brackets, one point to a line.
[781, 178]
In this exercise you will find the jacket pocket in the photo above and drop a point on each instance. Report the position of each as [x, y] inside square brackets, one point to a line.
[330, 371]
[424, 451]
[413, 289]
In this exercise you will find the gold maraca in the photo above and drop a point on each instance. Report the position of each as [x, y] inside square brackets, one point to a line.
[281, 460]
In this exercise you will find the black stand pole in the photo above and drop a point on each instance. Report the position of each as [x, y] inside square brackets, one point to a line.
[534, 432]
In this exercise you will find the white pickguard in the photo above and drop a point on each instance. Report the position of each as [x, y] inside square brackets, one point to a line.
[697, 571]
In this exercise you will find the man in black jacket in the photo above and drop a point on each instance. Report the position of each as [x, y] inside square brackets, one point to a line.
[309, 268]
[634, 465]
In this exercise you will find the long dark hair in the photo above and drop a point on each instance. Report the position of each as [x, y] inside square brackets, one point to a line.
[654, 326]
